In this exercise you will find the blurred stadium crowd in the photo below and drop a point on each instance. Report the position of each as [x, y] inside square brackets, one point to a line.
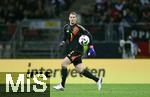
[16, 10]
[101, 10]
[118, 10]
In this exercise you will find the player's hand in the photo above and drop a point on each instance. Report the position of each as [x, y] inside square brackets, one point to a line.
[91, 52]
[62, 43]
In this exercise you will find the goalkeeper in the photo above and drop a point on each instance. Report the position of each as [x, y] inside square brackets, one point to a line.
[75, 50]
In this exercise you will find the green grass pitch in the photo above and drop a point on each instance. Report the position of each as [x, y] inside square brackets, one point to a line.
[108, 90]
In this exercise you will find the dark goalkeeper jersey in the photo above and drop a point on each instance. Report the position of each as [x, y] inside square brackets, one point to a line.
[71, 37]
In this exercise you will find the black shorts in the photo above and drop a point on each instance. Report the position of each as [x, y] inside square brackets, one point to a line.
[75, 57]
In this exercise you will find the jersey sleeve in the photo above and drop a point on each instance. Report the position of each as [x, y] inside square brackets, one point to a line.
[64, 33]
[90, 36]
[86, 32]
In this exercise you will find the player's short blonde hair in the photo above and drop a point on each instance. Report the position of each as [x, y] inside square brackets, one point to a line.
[73, 12]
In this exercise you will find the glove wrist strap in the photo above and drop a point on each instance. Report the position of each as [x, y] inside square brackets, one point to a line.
[91, 46]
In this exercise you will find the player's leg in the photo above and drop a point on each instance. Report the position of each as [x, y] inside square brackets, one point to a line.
[77, 61]
[64, 74]
[80, 68]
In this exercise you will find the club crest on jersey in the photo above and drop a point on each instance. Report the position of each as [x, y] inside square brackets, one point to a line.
[67, 31]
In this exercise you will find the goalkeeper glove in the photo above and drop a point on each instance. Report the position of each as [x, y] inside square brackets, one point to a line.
[62, 43]
[91, 51]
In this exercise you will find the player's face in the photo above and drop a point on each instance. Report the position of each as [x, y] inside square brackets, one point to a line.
[72, 19]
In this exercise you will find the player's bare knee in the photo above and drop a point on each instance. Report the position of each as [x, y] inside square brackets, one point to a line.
[63, 65]
[79, 70]
[65, 62]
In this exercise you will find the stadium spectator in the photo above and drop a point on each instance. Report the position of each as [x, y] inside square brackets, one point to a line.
[100, 6]
[143, 2]
[145, 17]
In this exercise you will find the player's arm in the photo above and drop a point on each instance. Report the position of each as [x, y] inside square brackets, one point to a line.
[91, 51]
[63, 41]
[86, 32]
